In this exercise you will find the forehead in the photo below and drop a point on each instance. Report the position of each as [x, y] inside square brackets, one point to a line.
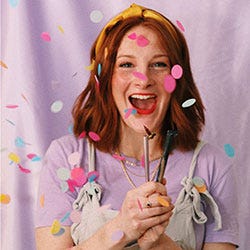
[141, 38]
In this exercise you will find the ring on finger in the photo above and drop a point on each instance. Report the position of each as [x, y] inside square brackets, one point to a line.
[149, 204]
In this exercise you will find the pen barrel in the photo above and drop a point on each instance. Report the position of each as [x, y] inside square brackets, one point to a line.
[146, 157]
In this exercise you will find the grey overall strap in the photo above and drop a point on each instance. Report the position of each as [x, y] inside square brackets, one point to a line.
[91, 156]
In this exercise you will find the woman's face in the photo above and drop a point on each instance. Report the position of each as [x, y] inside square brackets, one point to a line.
[138, 80]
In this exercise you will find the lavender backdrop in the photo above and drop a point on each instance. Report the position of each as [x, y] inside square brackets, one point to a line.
[44, 53]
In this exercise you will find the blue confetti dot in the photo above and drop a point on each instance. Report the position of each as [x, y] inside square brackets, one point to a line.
[19, 142]
[70, 129]
[13, 3]
[229, 150]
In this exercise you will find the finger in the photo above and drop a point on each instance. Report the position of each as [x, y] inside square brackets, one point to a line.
[156, 200]
[151, 187]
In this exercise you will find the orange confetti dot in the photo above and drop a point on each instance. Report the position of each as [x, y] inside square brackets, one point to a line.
[163, 202]
[42, 198]
[3, 65]
[201, 189]
[5, 199]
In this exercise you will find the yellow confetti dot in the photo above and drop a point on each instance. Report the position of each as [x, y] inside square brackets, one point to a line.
[42, 200]
[55, 228]
[3, 65]
[91, 66]
[14, 157]
[61, 29]
[163, 202]
[201, 189]
[5, 199]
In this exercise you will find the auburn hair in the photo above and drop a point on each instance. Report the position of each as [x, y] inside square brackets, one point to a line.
[95, 110]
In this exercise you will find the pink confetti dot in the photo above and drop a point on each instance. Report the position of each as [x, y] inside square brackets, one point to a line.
[181, 27]
[118, 157]
[82, 135]
[132, 36]
[46, 36]
[140, 76]
[94, 136]
[11, 106]
[139, 204]
[24, 170]
[169, 83]
[142, 41]
[129, 112]
[176, 71]
[77, 175]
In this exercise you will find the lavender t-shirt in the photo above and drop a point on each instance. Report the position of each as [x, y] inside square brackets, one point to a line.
[68, 152]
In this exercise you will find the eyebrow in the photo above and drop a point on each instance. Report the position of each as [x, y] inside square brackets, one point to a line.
[155, 56]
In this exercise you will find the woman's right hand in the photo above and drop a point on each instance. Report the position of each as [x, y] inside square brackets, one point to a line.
[141, 210]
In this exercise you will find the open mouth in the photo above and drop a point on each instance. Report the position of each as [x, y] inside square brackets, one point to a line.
[144, 103]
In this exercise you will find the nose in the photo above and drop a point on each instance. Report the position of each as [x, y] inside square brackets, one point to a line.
[142, 79]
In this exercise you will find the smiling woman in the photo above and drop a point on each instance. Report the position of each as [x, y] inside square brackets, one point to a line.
[133, 100]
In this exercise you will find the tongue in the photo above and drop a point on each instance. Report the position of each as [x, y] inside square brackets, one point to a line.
[143, 104]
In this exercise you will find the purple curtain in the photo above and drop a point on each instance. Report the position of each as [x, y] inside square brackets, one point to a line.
[44, 57]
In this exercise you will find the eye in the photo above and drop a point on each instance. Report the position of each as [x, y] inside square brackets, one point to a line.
[126, 65]
[158, 65]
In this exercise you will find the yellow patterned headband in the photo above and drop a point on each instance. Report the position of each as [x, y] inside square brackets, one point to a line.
[133, 11]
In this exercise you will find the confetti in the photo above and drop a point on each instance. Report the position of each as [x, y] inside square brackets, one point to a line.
[93, 175]
[97, 81]
[82, 135]
[65, 217]
[61, 231]
[162, 201]
[5, 199]
[74, 74]
[60, 29]
[19, 142]
[132, 36]
[12, 123]
[56, 106]
[64, 186]
[188, 103]
[199, 184]
[74, 158]
[117, 235]
[118, 157]
[55, 227]
[14, 157]
[24, 170]
[71, 184]
[176, 71]
[94, 136]
[91, 66]
[142, 41]
[41, 200]
[46, 36]
[229, 150]
[75, 216]
[96, 16]
[3, 65]
[63, 173]
[70, 129]
[169, 83]
[129, 112]
[139, 204]
[179, 24]
[99, 69]
[143, 161]
[24, 97]
[78, 176]
[140, 76]
[33, 157]
[11, 106]
[13, 3]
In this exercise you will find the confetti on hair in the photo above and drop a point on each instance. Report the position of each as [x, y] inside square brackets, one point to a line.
[118, 157]
[179, 24]
[9, 121]
[132, 36]
[46, 36]
[11, 106]
[117, 235]
[75, 216]
[129, 112]
[14, 158]
[163, 202]
[24, 170]
[142, 41]
[188, 103]
[140, 76]
[99, 69]
[74, 158]
[41, 200]
[82, 135]
[94, 136]
[3, 65]
[60, 29]
[5, 199]
[169, 83]
[105, 52]
[97, 81]
[176, 71]
[65, 217]
[229, 149]
[91, 66]
[139, 204]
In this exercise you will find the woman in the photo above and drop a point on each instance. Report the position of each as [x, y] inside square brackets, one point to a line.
[140, 79]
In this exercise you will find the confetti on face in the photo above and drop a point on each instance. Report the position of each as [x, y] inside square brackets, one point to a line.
[140, 76]
[129, 112]
[179, 24]
[60, 29]
[4, 199]
[142, 41]
[63, 173]
[176, 71]
[82, 135]
[46, 36]
[78, 176]
[2, 64]
[162, 201]
[117, 235]
[41, 200]
[132, 36]
[96, 16]
[55, 227]
[139, 205]
[24, 170]
[14, 157]
[188, 103]
[12, 106]
[229, 150]
[94, 136]
[13, 3]
[75, 216]
[169, 83]
[56, 106]
[74, 158]
[118, 157]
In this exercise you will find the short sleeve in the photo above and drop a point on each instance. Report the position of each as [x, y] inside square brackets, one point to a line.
[53, 202]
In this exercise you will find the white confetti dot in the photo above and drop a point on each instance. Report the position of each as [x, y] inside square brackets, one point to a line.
[56, 106]
[63, 173]
[188, 103]
[96, 16]
[74, 158]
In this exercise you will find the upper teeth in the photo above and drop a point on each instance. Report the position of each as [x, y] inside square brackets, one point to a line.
[142, 97]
